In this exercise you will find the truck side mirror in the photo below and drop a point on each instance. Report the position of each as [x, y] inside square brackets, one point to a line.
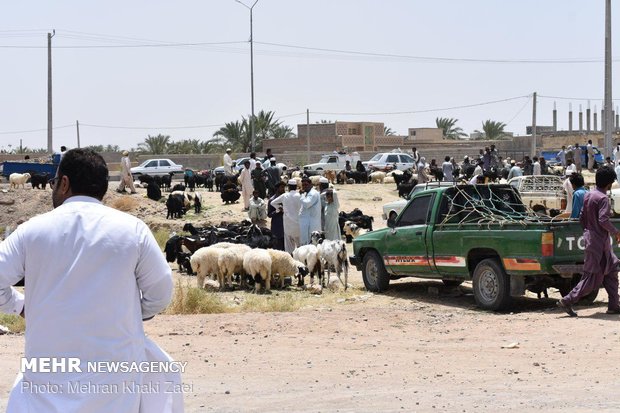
[391, 222]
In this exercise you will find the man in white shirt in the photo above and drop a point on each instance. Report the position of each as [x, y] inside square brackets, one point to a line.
[93, 274]
[310, 212]
[126, 178]
[247, 187]
[590, 153]
[290, 202]
[561, 156]
[570, 168]
[228, 162]
[253, 161]
[536, 166]
[515, 170]
[616, 154]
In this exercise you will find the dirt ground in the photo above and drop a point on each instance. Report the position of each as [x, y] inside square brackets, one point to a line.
[419, 347]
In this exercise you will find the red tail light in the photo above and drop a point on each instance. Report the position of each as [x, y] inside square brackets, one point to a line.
[547, 244]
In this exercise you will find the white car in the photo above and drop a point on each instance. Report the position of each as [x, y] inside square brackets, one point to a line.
[155, 167]
[392, 209]
[388, 161]
[545, 190]
[334, 162]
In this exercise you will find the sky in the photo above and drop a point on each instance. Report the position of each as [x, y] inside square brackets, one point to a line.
[129, 69]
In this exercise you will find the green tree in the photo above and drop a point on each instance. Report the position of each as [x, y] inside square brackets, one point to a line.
[450, 130]
[236, 135]
[155, 145]
[493, 130]
[283, 132]
[388, 131]
[96, 148]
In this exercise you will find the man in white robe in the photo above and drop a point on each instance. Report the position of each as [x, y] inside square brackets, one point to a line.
[290, 202]
[310, 212]
[93, 274]
[228, 162]
[247, 187]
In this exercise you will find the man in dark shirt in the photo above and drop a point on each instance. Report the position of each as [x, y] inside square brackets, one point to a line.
[277, 219]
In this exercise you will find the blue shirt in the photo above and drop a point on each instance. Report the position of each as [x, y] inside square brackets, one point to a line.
[578, 196]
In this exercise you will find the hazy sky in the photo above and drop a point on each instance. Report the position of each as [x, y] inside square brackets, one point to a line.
[117, 68]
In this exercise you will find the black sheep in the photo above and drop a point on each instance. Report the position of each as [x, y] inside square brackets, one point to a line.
[197, 204]
[166, 181]
[38, 180]
[153, 192]
[178, 187]
[174, 205]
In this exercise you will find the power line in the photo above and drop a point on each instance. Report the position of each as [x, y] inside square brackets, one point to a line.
[423, 110]
[35, 130]
[520, 110]
[151, 127]
[567, 98]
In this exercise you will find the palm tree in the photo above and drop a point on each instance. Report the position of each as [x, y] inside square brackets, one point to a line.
[388, 131]
[450, 130]
[236, 135]
[283, 132]
[263, 126]
[493, 130]
[155, 145]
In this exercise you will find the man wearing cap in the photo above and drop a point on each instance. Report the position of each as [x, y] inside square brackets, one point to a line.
[290, 203]
[247, 188]
[515, 170]
[310, 211]
[126, 178]
[228, 162]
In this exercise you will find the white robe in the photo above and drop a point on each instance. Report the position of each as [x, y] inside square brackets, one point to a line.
[309, 215]
[228, 164]
[247, 187]
[290, 202]
[93, 274]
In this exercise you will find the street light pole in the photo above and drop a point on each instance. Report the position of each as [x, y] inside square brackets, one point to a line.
[608, 121]
[250, 8]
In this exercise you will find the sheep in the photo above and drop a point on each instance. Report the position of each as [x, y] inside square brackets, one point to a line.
[315, 180]
[230, 261]
[388, 180]
[257, 263]
[19, 179]
[283, 264]
[309, 256]
[377, 177]
[205, 262]
[334, 253]
[296, 174]
[331, 176]
[352, 230]
[187, 199]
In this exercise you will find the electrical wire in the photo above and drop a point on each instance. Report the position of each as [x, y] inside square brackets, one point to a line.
[151, 127]
[35, 130]
[420, 111]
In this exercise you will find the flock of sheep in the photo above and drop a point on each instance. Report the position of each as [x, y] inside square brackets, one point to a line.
[224, 260]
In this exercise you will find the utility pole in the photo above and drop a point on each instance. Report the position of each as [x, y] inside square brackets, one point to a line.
[252, 120]
[77, 126]
[50, 148]
[533, 150]
[608, 121]
[307, 136]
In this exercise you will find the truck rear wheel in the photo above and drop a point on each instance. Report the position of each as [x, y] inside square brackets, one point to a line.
[376, 278]
[491, 285]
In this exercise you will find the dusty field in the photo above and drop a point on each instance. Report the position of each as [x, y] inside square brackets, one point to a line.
[420, 347]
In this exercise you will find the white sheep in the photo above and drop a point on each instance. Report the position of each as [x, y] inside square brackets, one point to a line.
[309, 255]
[257, 262]
[284, 265]
[315, 180]
[388, 180]
[351, 229]
[205, 262]
[187, 199]
[296, 174]
[333, 252]
[230, 261]
[377, 177]
[18, 179]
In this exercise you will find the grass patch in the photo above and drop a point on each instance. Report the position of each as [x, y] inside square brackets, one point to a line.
[275, 303]
[14, 323]
[161, 236]
[125, 203]
[194, 300]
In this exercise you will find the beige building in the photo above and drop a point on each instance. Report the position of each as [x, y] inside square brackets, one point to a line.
[351, 136]
[425, 135]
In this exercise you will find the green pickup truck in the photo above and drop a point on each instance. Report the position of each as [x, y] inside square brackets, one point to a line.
[481, 233]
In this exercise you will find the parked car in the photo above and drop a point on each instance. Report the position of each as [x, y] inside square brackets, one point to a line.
[392, 209]
[155, 167]
[480, 233]
[388, 161]
[545, 190]
[334, 162]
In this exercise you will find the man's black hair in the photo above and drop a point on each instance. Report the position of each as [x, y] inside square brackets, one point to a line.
[576, 180]
[605, 176]
[87, 172]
